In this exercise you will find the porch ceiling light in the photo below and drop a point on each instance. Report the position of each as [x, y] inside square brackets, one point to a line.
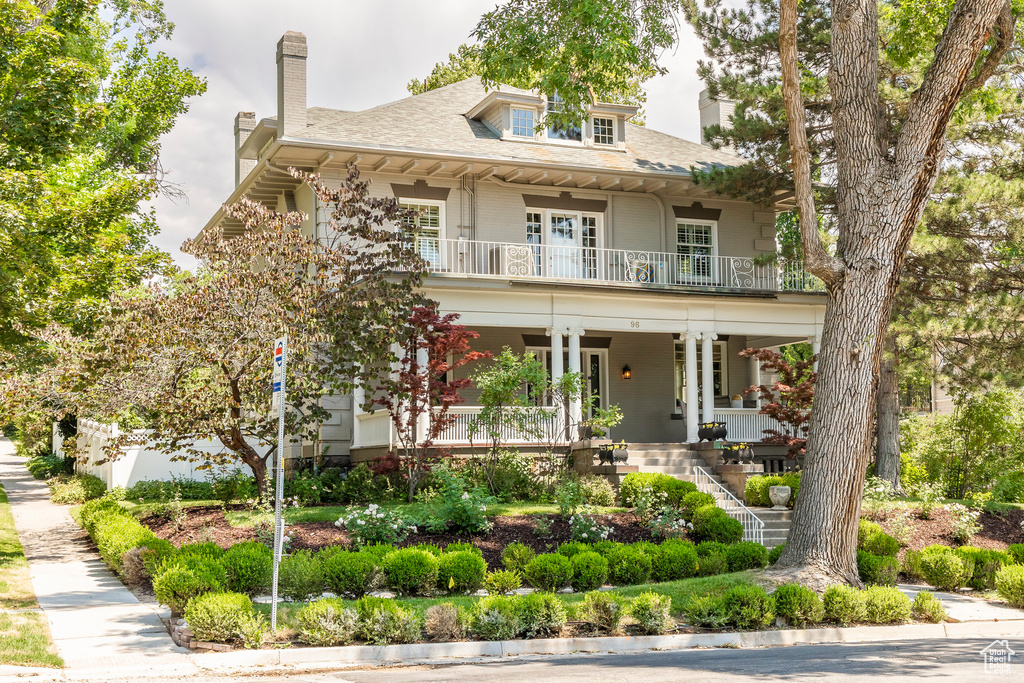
[626, 372]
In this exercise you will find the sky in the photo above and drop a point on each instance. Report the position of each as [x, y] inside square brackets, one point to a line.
[361, 53]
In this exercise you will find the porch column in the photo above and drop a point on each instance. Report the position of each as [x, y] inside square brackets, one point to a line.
[755, 379]
[556, 353]
[575, 400]
[707, 351]
[691, 386]
[358, 399]
[815, 343]
[422, 363]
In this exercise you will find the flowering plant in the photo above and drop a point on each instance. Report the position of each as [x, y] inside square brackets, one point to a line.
[964, 521]
[584, 527]
[459, 507]
[648, 503]
[375, 525]
[669, 524]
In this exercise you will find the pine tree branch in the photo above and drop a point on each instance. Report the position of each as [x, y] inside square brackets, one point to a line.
[816, 259]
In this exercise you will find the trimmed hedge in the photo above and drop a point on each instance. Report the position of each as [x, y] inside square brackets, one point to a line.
[634, 482]
[711, 523]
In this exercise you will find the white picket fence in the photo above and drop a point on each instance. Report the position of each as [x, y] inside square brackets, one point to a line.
[141, 462]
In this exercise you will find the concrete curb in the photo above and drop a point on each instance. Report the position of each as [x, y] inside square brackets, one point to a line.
[362, 655]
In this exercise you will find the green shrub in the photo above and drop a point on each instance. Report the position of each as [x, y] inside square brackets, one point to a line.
[651, 611]
[76, 489]
[605, 547]
[844, 605]
[327, 622]
[756, 491]
[706, 611]
[944, 569]
[674, 560]
[541, 615]
[597, 490]
[49, 465]
[222, 617]
[629, 566]
[503, 582]
[877, 569]
[432, 548]
[886, 605]
[498, 617]
[748, 607]
[1016, 552]
[798, 605]
[873, 539]
[152, 553]
[349, 573]
[1009, 488]
[792, 480]
[712, 565]
[711, 523]
[775, 553]
[463, 547]
[589, 571]
[548, 572]
[601, 611]
[746, 555]
[911, 565]
[927, 607]
[633, 483]
[574, 548]
[180, 583]
[95, 508]
[249, 567]
[1010, 584]
[114, 534]
[383, 622]
[708, 548]
[984, 565]
[300, 576]
[459, 506]
[693, 501]
[461, 572]
[516, 556]
[378, 550]
[410, 571]
[445, 622]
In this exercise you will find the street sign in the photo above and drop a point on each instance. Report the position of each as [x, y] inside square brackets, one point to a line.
[280, 360]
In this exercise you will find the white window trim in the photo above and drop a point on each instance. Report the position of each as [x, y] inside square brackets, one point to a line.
[592, 137]
[441, 218]
[690, 221]
[541, 352]
[545, 229]
[511, 120]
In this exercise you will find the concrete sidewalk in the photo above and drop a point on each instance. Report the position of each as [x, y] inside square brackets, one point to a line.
[99, 627]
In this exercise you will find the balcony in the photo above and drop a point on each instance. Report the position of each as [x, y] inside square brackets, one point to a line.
[629, 267]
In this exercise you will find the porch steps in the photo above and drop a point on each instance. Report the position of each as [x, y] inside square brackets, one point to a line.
[679, 461]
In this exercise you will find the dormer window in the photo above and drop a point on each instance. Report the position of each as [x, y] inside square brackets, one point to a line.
[522, 122]
[604, 131]
[558, 131]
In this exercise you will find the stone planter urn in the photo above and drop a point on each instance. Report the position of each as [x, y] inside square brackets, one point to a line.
[779, 496]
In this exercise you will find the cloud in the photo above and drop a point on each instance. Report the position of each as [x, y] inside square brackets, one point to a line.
[361, 54]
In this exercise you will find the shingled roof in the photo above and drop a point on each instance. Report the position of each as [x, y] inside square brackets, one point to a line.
[436, 121]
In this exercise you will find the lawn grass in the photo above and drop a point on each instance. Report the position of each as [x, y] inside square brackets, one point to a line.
[15, 585]
[680, 592]
[25, 641]
[24, 636]
[331, 513]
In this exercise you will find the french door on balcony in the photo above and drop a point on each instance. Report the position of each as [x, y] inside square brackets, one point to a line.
[568, 247]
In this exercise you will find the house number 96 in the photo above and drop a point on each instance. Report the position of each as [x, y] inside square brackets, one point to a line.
[635, 324]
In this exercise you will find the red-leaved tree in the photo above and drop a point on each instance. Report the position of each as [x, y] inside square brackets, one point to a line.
[419, 394]
[788, 400]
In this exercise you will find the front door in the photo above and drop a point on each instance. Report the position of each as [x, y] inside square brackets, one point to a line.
[564, 246]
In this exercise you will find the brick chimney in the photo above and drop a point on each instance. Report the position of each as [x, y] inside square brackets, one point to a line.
[291, 84]
[245, 122]
[715, 112]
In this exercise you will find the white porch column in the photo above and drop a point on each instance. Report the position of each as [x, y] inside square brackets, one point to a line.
[556, 353]
[707, 352]
[358, 399]
[691, 386]
[575, 400]
[755, 379]
[815, 343]
[422, 363]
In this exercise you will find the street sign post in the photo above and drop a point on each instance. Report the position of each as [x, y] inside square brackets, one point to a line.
[277, 404]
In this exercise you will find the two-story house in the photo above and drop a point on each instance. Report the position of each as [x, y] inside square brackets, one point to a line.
[591, 247]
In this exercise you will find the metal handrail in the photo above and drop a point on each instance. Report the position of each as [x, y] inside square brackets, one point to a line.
[753, 526]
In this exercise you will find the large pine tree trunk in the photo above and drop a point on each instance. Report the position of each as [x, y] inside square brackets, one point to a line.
[887, 443]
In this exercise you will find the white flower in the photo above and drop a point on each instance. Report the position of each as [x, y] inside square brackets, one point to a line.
[362, 522]
[338, 523]
[465, 496]
[483, 508]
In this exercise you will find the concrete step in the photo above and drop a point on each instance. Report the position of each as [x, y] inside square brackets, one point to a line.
[658, 459]
[638, 447]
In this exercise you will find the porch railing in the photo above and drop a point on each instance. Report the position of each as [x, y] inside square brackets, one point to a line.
[746, 424]
[541, 424]
[753, 527]
[619, 266]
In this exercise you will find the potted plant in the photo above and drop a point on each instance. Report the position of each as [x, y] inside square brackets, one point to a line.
[738, 453]
[613, 453]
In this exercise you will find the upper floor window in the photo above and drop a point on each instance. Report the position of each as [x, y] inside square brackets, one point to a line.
[428, 226]
[558, 131]
[604, 131]
[695, 244]
[522, 122]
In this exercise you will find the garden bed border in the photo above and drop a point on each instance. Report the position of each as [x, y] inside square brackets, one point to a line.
[419, 653]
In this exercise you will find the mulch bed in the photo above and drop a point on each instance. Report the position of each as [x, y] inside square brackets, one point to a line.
[209, 524]
[997, 531]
